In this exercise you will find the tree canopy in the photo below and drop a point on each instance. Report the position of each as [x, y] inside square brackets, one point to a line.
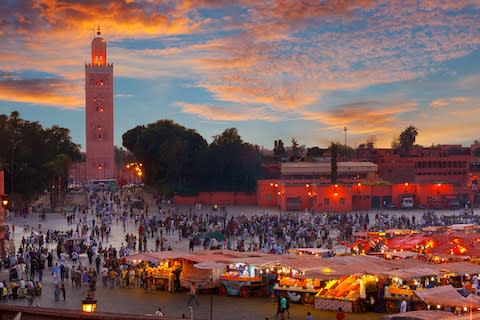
[406, 140]
[177, 159]
[35, 156]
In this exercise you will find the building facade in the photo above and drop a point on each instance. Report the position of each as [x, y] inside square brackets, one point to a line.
[437, 164]
[100, 159]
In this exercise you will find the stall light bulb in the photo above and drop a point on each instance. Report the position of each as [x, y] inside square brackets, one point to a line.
[465, 309]
[439, 306]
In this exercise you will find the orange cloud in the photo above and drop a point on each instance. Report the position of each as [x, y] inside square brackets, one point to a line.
[234, 113]
[445, 102]
[268, 58]
[363, 117]
[52, 92]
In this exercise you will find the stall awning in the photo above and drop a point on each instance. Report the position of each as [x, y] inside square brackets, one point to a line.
[414, 273]
[447, 296]
[419, 315]
[156, 257]
[407, 242]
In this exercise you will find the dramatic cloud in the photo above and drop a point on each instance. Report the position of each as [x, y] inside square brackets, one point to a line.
[270, 59]
[51, 92]
[217, 113]
[364, 117]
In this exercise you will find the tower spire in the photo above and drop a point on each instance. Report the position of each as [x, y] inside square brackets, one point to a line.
[98, 31]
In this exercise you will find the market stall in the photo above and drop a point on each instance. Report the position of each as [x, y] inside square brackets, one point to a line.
[242, 279]
[447, 297]
[162, 269]
[344, 293]
[205, 278]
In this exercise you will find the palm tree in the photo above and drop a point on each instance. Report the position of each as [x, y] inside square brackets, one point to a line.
[407, 139]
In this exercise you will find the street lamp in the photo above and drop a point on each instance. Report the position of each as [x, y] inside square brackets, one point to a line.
[136, 169]
[89, 304]
[4, 201]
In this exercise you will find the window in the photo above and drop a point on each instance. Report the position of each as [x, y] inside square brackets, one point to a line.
[342, 201]
[326, 202]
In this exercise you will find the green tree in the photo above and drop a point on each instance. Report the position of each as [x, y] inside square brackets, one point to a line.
[169, 153]
[29, 168]
[231, 164]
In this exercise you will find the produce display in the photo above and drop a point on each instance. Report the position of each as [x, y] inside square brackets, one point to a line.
[345, 288]
[163, 270]
[306, 283]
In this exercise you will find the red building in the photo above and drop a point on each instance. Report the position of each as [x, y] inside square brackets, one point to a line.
[342, 197]
[437, 164]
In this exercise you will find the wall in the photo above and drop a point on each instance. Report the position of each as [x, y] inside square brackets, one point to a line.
[9, 312]
[357, 196]
[220, 198]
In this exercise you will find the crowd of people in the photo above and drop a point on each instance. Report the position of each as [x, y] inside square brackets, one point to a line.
[89, 232]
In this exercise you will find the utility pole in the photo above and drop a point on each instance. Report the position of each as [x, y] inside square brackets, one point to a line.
[345, 129]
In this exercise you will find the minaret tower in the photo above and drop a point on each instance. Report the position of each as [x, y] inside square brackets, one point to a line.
[100, 162]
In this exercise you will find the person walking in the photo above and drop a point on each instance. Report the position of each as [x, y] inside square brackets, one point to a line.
[309, 316]
[287, 307]
[192, 295]
[279, 309]
[283, 307]
[56, 293]
[62, 290]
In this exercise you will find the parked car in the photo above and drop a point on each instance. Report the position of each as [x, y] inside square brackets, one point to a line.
[407, 203]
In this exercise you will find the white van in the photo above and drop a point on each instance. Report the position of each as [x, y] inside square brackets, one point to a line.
[407, 203]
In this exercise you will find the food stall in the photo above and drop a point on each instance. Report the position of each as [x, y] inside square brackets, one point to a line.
[341, 293]
[242, 279]
[162, 269]
[401, 284]
[291, 278]
[448, 298]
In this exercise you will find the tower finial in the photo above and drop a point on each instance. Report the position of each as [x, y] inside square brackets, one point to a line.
[98, 31]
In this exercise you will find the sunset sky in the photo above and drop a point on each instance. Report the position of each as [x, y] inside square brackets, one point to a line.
[273, 69]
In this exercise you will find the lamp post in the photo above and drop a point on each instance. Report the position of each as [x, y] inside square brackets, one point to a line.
[137, 172]
[89, 304]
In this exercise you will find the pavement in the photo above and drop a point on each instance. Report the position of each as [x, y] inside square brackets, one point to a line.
[136, 301]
